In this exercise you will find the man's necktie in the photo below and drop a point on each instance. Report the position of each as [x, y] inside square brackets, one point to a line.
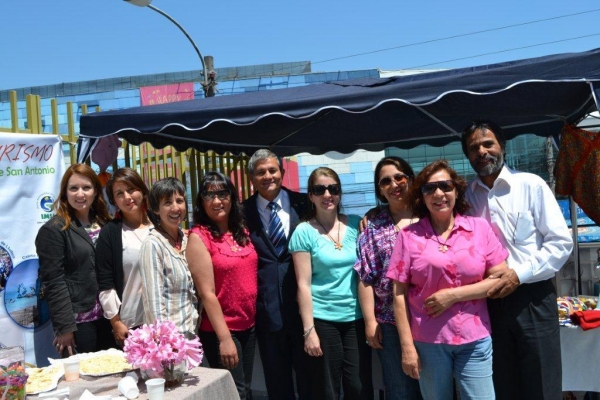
[276, 232]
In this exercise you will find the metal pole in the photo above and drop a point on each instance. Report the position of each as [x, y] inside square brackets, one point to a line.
[185, 33]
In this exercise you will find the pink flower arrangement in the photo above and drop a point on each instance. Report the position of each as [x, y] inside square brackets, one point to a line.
[160, 346]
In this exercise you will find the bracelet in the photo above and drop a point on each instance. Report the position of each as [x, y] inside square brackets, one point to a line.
[307, 332]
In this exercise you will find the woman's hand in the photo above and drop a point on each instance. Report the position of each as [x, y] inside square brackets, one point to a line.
[439, 302]
[411, 364]
[374, 335]
[120, 332]
[312, 344]
[229, 354]
[65, 341]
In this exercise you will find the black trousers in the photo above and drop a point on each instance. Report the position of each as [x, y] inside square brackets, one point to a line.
[245, 344]
[94, 336]
[282, 355]
[345, 364]
[526, 343]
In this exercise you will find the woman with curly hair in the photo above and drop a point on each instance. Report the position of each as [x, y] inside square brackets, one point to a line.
[224, 265]
[66, 246]
[442, 268]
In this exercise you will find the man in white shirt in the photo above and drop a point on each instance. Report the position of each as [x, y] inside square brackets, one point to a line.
[526, 217]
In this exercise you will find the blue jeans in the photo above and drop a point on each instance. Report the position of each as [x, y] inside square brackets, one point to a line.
[244, 343]
[398, 385]
[470, 363]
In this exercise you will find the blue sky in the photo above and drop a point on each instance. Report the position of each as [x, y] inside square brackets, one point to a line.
[50, 42]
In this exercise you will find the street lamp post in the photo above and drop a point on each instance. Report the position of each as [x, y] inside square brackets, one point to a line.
[209, 82]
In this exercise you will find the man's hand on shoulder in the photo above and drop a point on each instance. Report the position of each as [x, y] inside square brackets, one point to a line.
[508, 282]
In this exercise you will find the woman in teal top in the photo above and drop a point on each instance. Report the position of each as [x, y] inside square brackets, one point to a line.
[324, 252]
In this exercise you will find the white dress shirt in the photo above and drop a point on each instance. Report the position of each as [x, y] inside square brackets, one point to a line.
[283, 212]
[527, 219]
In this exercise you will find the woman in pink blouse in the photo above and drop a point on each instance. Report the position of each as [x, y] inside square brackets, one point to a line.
[224, 267]
[442, 268]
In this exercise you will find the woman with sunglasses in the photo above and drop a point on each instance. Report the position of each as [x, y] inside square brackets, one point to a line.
[324, 251]
[66, 246]
[393, 177]
[118, 253]
[224, 265]
[442, 268]
[168, 290]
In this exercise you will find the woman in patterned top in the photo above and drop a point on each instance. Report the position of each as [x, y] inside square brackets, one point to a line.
[168, 290]
[225, 266]
[393, 177]
[66, 248]
[442, 268]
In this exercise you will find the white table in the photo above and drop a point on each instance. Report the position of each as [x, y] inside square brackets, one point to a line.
[199, 383]
[580, 352]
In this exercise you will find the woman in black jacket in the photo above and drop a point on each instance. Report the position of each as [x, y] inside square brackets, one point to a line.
[117, 254]
[66, 250]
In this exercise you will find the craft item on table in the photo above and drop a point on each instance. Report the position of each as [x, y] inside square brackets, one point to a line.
[586, 319]
[12, 381]
[12, 373]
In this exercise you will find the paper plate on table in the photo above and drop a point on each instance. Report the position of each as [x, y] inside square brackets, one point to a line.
[101, 363]
[43, 379]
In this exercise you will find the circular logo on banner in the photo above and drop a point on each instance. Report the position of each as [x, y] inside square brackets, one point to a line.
[6, 266]
[23, 297]
[44, 204]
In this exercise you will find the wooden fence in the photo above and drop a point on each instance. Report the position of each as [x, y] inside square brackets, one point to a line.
[152, 164]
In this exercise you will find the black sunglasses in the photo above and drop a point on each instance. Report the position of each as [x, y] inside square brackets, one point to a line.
[221, 194]
[399, 178]
[319, 190]
[431, 187]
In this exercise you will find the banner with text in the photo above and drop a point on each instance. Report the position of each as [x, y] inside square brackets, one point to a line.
[31, 167]
[151, 95]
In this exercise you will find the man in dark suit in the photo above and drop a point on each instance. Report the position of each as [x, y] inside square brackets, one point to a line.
[278, 323]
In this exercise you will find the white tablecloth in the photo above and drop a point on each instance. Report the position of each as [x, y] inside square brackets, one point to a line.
[580, 359]
[199, 383]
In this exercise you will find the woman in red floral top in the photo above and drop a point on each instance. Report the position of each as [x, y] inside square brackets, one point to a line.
[224, 266]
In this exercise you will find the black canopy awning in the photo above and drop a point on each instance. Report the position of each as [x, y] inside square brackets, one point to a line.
[535, 95]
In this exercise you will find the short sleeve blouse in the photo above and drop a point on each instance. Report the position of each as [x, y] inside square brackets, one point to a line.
[473, 248]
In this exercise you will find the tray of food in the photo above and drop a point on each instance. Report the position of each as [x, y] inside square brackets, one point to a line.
[43, 379]
[100, 363]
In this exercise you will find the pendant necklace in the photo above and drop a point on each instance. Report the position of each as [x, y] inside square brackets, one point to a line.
[234, 246]
[443, 247]
[141, 227]
[337, 244]
[177, 242]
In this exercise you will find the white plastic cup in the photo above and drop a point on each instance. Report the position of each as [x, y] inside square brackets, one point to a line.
[156, 388]
[128, 387]
[71, 366]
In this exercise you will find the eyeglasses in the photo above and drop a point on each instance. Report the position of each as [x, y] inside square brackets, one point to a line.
[319, 190]
[431, 187]
[221, 194]
[399, 178]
